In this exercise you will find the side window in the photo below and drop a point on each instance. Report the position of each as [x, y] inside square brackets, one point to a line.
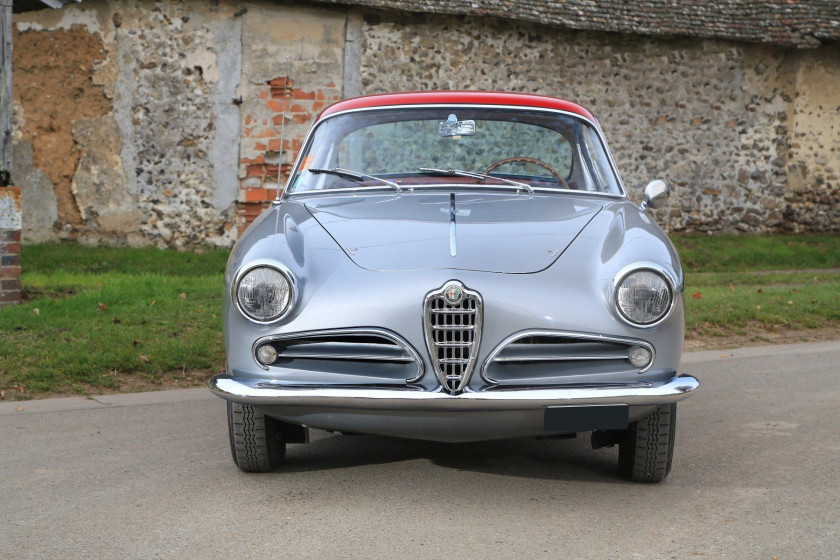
[602, 173]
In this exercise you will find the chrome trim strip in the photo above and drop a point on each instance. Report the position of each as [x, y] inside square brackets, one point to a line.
[631, 342]
[316, 123]
[453, 249]
[352, 331]
[350, 357]
[567, 358]
[448, 186]
[258, 393]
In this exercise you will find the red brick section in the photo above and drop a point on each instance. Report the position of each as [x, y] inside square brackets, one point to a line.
[10, 247]
[261, 141]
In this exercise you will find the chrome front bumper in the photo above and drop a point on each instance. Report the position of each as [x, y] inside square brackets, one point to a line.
[261, 393]
[437, 415]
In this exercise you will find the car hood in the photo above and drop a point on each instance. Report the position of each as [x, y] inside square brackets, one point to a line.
[494, 232]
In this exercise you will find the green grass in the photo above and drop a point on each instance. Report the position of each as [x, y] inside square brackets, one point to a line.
[730, 253]
[722, 304]
[160, 318]
[50, 258]
[160, 315]
[723, 299]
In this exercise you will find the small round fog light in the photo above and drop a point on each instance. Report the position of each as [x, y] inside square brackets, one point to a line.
[640, 356]
[266, 354]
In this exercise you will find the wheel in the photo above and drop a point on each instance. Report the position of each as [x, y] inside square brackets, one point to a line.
[256, 443]
[522, 159]
[647, 447]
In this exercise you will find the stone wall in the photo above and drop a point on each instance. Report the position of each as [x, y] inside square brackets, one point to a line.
[747, 135]
[159, 121]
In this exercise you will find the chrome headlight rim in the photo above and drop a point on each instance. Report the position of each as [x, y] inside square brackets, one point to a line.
[643, 267]
[279, 267]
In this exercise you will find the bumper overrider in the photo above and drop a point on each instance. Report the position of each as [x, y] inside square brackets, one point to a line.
[471, 415]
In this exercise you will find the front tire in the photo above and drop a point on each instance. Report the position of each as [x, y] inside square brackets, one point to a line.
[256, 443]
[646, 450]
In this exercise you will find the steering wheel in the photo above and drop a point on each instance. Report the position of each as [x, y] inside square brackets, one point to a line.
[522, 159]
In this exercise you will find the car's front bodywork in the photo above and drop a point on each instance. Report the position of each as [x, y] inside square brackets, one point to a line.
[454, 309]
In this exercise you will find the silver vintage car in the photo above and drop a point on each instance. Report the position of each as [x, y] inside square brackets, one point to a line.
[455, 266]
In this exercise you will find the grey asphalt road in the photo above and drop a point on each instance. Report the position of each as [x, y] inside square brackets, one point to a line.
[149, 475]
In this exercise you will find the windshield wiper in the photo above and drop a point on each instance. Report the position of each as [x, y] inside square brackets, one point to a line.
[355, 176]
[474, 175]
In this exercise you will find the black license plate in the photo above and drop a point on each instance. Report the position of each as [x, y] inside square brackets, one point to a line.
[586, 418]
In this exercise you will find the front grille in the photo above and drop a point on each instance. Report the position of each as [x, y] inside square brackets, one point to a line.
[453, 333]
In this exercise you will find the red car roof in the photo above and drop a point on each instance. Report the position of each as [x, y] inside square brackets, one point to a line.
[457, 97]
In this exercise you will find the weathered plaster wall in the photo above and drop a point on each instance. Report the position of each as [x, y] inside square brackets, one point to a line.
[129, 114]
[158, 122]
[814, 163]
[722, 122]
[54, 90]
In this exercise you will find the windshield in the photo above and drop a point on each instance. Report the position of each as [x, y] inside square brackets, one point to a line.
[407, 145]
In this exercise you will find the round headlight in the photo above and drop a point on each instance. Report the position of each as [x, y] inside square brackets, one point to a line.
[643, 297]
[264, 293]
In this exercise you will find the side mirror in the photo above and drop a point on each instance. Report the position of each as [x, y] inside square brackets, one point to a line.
[656, 193]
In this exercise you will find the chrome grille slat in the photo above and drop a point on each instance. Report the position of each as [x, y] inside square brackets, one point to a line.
[552, 357]
[358, 355]
[350, 357]
[453, 332]
[557, 358]
[318, 349]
